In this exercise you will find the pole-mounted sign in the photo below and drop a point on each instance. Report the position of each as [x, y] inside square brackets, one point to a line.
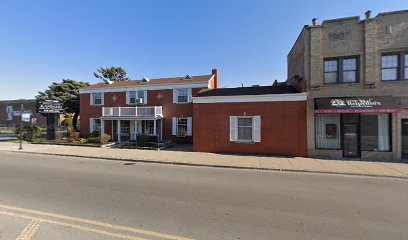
[50, 106]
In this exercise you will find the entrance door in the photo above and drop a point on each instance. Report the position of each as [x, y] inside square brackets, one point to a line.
[404, 139]
[351, 143]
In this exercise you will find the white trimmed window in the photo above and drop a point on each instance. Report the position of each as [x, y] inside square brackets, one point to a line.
[245, 128]
[95, 125]
[182, 95]
[389, 67]
[97, 99]
[182, 127]
[136, 97]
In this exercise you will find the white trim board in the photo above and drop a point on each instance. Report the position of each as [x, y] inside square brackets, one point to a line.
[149, 87]
[291, 97]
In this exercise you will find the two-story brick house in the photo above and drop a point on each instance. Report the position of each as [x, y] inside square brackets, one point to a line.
[356, 75]
[156, 107]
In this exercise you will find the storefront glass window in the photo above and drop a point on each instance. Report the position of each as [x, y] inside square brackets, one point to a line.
[327, 131]
[375, 132]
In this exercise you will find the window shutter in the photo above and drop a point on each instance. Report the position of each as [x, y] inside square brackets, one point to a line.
[174, 126]
[175, 94]
[233, 129]
[189, 126]
[103, 98]
[145, 97]
[91, 99]
[256, 129]
[127, 98]
[189, 95]
[91, 125]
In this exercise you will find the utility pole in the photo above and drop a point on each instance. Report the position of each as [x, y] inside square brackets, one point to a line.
[21, 128]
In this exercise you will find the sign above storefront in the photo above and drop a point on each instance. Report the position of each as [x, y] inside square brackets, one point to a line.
[50, 106]
[357, 105]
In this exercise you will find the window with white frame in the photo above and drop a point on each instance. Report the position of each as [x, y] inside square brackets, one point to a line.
[245, 128]
[95, 125]
[136, 97]
[389, 67]
[97, 98]
[125, 127]
[182, 95]
[149, 127]
[181, 127]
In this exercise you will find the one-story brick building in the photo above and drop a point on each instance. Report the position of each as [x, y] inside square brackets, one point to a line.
[267, 120]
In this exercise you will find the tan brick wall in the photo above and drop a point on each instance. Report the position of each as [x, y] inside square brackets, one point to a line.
[368, 39]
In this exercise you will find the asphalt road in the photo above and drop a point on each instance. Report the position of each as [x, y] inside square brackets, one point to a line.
[48, 197]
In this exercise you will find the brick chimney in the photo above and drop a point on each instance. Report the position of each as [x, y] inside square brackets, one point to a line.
[314, 22]
[216, 80]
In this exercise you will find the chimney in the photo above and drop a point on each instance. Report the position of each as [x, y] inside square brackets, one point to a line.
[314, 21]
[368, 14]
[216, 80]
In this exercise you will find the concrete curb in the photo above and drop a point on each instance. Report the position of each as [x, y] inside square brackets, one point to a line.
[217, 166]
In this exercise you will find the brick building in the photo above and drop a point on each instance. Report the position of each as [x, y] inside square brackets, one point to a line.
[268, 120]
[10, 113]
[154, 107]
[356, 75]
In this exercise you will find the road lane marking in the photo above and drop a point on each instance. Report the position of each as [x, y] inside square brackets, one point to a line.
[102, 232]
[29, 230]
[92, 222]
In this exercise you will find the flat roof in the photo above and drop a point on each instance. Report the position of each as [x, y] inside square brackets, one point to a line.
[255, 90]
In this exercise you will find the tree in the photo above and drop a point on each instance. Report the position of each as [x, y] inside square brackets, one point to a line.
[67, 93]
[112, 74]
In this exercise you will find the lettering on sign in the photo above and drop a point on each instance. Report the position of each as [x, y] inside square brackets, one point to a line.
[50, 106]
[355, 103]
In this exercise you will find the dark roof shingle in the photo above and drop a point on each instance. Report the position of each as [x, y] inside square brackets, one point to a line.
[261, 90]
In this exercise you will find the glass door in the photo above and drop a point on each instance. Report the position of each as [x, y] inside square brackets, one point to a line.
[351, 142]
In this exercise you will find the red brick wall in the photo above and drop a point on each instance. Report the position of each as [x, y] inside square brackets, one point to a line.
[283, 128]
[170, 110]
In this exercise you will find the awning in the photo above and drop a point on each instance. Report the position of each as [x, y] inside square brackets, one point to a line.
[357, 105]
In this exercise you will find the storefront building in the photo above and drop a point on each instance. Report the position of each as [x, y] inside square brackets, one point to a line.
[356, 75]
[358, 127]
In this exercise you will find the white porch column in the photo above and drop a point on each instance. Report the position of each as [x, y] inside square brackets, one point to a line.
[161, 129]
[102, 127]
[112, 132]
[154, 128]
[118, 131]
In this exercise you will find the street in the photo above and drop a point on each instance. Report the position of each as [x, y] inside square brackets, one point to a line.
[50, 197]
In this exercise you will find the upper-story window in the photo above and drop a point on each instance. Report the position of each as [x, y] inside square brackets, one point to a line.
[350, 70]
[183, 95]
[347, 67]
[389, 67]
[330, 71]
[97, 99]
[136, 97]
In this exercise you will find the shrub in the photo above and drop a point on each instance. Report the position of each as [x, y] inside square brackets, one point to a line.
[72, 134]
[28, 133]
[94, 140]
[58, 136]
[95, 134]
[105, 139]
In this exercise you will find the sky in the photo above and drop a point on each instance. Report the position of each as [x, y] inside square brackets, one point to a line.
[247, 41]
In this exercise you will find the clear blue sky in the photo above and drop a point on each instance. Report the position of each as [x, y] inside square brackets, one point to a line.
[46, 41]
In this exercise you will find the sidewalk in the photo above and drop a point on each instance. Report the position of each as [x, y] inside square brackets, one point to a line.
[383, 169]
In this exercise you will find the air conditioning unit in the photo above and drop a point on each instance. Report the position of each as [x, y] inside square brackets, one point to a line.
[138, 100]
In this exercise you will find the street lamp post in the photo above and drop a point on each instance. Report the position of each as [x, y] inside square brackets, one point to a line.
[21, 128]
